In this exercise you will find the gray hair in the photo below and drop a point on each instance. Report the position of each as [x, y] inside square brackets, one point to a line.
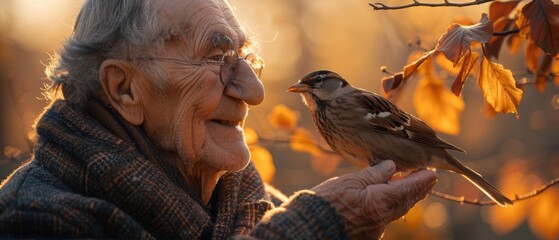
[103, 30]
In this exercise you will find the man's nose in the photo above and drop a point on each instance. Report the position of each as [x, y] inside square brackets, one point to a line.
[246, 86]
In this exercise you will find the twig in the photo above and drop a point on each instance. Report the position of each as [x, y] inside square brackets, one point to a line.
[521, 197]
[505, 33]
[446, 3]
[550, 78]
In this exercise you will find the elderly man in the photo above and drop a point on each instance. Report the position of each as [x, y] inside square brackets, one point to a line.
[143, 139]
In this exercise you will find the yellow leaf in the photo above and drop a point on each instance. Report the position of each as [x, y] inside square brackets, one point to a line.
[283, 117]
[544, 220]
[325, 163]
[437, 106]
[414, 66]
[498, 87]
[251, 137]
[302, 141]
[263, 162]
[458, 38]
[447, 65]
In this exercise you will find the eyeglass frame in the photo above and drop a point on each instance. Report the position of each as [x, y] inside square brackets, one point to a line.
[257, 69]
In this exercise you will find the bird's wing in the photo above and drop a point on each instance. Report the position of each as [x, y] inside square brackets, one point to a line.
[385, 117]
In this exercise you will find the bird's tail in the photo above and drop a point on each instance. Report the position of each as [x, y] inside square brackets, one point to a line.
[480, 182]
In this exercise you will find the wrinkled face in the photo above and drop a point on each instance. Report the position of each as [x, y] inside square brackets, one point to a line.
[194, 116]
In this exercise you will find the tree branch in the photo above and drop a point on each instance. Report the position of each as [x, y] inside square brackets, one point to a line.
[521, 197]
[446, 3]
[505, 33]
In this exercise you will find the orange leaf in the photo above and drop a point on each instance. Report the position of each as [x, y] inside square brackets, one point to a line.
[493, 47]
[514, 42]
[263, 162]
[447, 65]
[325, 163]
[457, 40]
[488, 111]
[14, 152]
[437, 106]
[468, 63]
[539, 19]
[544, 219]
[555, 72]
[283, 117]
[302, 141]
[532, 54]
[251, 137]
[543, 73]
[393, 84]
[414, 66]
[501, 9]
[498, 87]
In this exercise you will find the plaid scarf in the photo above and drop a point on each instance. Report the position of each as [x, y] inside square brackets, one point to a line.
[113, 172]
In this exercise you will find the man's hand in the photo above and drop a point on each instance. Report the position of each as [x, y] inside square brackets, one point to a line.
[368, 201]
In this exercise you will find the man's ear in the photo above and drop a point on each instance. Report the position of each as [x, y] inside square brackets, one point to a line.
[117, 79]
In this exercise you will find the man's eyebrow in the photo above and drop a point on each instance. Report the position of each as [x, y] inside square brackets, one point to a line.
[222, 41]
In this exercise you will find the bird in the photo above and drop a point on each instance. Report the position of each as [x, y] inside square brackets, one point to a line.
[366, 128]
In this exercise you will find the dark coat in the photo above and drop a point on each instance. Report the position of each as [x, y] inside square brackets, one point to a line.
[84, 181]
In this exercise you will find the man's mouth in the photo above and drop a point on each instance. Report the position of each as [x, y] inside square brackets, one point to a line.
[230, 123]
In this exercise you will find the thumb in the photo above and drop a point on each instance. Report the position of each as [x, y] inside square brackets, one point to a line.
[379, 173]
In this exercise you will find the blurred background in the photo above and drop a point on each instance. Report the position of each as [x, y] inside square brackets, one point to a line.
[297, 37]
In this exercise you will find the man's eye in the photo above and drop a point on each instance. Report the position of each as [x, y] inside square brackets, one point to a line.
[216, 58]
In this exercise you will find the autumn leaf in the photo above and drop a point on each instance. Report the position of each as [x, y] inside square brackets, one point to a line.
[263, 162]
[447, 65]
[555, 72]
[393, 84]
[539, 21]
[302, 140]
[514, 42]
[543, 73]
[283, 117]
[14, 152]
[501, 9]
[467, 64]
[437, 106]
[458, 38]
[532, 54]
[493, 47]
[498, 87]
[543, 219]
[488, 111]
[251, 137]
[325, 163]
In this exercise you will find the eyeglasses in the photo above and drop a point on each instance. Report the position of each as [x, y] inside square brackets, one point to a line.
[228, 63]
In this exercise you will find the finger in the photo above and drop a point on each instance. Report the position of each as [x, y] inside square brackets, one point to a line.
[379, 173]
[416, 185]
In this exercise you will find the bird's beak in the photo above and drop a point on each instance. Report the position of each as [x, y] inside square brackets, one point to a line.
[298, 87]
